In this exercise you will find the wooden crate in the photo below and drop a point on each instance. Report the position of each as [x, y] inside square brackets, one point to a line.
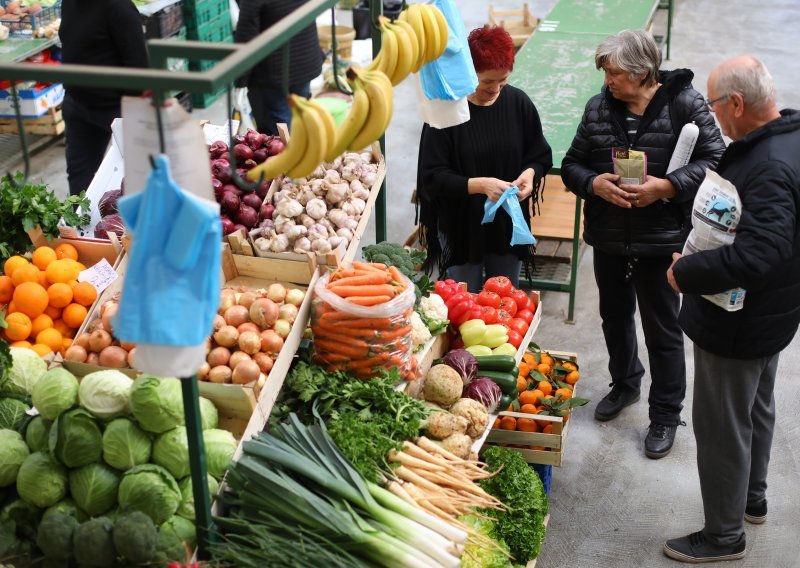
[554, 443]
[519, 23]
[49, 124]
[90, 251]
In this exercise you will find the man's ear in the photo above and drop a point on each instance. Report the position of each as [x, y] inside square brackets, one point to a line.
[738, 104]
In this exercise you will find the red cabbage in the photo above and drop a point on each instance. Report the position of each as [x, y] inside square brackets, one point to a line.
[485, 391]
[110, 224]
[464, 362]
[108, 203]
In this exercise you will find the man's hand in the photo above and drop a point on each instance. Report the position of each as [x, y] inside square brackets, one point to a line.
[605, 187]
[492, 188]
[649, 192]
[670, 275]
[525, 184]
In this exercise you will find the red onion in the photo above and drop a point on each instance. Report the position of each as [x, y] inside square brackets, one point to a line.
[230, 203]
[263, 189]
[252, 200]
[238, 139]
[218, 191]
[260, 155]
[247, 216]
[242, 173]
[275, 146]
[239, 227]
[254, 139]
[249, 164]
[221, 169]
[242, 152]
[218, 149]
[232, 188]
[267, 210]
[227, 225]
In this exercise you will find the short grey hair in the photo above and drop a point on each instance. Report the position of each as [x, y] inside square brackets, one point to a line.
[753, 82]
[633, 51]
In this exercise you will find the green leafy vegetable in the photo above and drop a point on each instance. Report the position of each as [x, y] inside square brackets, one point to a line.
[94, 488]
[150, 489]
[405, 260]
[33, 204]
[13, 452]
[55, 536]
[135, 537]
[478, 555]
[41, 481]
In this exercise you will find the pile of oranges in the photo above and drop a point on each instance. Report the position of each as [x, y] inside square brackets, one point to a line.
[45, 303]
[545, 384]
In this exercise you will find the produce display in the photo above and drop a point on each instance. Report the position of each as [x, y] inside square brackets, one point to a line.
[44, 303]
[110, 220]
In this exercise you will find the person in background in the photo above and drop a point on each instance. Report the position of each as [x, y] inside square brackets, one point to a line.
[736, 353]
[502, 145]
[95, 32]
[634, 229]
[264, 81]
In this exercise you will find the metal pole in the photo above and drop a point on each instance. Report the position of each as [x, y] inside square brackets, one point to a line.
[376, 11]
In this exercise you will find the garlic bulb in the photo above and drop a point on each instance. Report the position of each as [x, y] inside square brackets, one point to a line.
[289, 208]
[316, 208]
[333, 176]
[302, 245]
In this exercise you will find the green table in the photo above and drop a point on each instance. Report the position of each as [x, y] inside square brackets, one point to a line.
[13, 50]
[599, 17]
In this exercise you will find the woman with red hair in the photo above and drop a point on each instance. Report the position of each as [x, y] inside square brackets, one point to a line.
[502, 145]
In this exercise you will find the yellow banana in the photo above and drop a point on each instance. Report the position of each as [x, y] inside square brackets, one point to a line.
[317, 142]
[444, 33]
[414, 19]
[386, 85]
[431, 27]
[328, 122]
[389, 49]
[414, 45]
[291, 155]
[405, 54]
[380, 109]
[352, 124]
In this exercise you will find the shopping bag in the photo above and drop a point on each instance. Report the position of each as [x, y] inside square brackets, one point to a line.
[451, 76]
[441, 113]
[242, 111]
[520, 233]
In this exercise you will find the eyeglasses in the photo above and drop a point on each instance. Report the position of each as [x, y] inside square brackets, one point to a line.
[710, 103]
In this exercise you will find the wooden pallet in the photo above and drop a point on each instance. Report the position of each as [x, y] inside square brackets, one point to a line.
[49, 124]
[520, 24]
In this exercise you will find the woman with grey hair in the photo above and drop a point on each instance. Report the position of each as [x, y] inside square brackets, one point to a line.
[635, 227]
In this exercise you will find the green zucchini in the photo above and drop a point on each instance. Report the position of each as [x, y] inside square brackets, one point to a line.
[506, 381]
[505, 401]
[502, 363]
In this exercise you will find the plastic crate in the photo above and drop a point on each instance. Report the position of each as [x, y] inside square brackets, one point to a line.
[202, 65]
[164, 23]
[217, 30]
[26, 25]
[545, 474]
[205, 100]
[175, 63]
[199, 12]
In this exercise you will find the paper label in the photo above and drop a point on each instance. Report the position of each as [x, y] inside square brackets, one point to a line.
[101, 275]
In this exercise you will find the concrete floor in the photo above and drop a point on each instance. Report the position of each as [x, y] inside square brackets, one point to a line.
[610, 506]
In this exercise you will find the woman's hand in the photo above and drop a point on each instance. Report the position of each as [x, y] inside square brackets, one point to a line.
[492, 188]
[649, 192]
[604, 186]
[524, 183]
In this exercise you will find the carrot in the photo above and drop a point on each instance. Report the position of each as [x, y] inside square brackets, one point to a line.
[347, 273]
[396, 275]
[353, 349]
[369, 266]
[394, 334]
[366, 323]
[367, 290]
[327, 329]
[367, 300]
[361, 280]
[378, 360]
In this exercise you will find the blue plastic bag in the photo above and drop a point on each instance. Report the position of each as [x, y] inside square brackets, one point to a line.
[521, 233]
[452, 76]
[172, 286]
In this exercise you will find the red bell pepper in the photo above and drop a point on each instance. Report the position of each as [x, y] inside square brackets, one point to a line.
[446, 288]
[458, 308]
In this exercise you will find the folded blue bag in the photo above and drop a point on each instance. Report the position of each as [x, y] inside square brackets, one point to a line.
[452, 76]
[172, 286]
[521, 232]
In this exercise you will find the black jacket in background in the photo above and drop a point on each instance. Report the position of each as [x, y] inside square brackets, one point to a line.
[660, 228]
[764, 258]
[305, 54]
[101, 32]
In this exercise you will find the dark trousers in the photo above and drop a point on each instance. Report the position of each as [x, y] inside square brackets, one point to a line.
[86, 135]
[733, 415]
[270, 106]
[621, 284]
[475, 274]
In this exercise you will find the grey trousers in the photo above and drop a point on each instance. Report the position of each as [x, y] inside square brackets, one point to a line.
[734, 415]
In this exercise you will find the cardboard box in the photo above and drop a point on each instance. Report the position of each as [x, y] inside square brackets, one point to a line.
[32, 102]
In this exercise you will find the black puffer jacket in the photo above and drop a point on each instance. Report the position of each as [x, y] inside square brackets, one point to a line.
[660, 228]
[764, 258]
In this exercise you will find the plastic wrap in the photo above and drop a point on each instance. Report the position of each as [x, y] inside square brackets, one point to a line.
[362, 340]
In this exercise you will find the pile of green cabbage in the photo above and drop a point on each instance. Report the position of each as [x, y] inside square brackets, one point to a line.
[97, 449]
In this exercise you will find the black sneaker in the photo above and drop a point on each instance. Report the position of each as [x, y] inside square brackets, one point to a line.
[756, 514]
[613, 403]
[659, 440]
[695, 549]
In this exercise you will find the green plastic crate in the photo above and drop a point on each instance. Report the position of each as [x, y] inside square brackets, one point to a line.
[205, 100]
[203, 65]
[217, 30]
[197, 13]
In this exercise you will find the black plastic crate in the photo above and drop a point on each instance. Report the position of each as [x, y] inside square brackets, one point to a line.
[164, 23]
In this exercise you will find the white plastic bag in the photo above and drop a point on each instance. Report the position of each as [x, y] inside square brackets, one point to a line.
[441, 113]
[242, 111]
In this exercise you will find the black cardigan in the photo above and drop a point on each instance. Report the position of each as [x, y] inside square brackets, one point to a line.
[501, 140]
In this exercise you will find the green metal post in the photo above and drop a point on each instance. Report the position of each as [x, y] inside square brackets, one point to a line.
[573, 273]
[669, 26]
[376, 11]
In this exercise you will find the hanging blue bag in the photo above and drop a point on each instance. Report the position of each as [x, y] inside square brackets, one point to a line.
[452, 76]
[521, 232]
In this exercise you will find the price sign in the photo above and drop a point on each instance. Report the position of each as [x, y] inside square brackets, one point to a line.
[101, 275]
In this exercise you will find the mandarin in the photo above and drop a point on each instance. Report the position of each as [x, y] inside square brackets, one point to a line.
[528, 397]
[572, 377]
[527, 425]
[528, 409]
[564, 393]
[545, 387]
[31, 299]
[73, 315]
[27, 273]
[60, 295]
[19, 326]
[43, 256]
[84, 293]
[13, 263]
[508, 423]
[6, 289]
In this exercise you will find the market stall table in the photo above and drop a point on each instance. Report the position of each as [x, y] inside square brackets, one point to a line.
[13, 49]
[601, 17]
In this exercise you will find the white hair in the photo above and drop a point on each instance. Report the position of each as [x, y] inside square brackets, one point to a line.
[753, 82]
[633, 51]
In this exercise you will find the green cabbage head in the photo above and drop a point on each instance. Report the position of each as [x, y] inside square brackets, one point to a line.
[67, 506]
[75, 439]
[171, 451]
[220, 447]
[94, 488]
[209, 416]
[150, 489]
[13, 451]
[41, 481]
[125, 445]
[26, 370]
[37, 434]
[182, 529]
[186, 508]
[55, 392]
[157, 403]
[105, 393]
[12, 412]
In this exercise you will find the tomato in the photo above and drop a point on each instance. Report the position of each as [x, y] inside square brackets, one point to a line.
[519, 325]
[526, 315]
[446, 288]
[514, 338]
[488, 314]
[508, 304]
[500, 285]
[475, 312]
[531, 305]
[487, 298]
[503, 317]
[521, 298]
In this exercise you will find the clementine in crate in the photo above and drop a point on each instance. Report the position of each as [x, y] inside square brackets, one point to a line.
[43, 256]
[522, 384]
[527, 425]
[50, 337]
[40, 323]
[41, 349]
[60, 294]
[564, 393]
[508, 423]
[6, 289]
[84, 293]
[572, 377]
[26, 273]
[73, 315]
[528, 409]
[31, 299]
[19, 326]
[545, 386]
[529, 397]
[66, 250]
[13, 263]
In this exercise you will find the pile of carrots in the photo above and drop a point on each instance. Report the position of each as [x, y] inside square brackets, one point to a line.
[361, 345]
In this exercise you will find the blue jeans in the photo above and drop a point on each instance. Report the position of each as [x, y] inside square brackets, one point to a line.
[270, 106]
[493, 265]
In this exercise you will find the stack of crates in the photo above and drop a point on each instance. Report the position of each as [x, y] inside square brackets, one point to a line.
[207, 20]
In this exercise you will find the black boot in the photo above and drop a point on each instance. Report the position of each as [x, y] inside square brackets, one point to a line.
[694, 549]
[613, 403]
[659, 440]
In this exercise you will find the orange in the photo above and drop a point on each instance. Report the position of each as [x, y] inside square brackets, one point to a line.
[41, 278]
[13, 263]
[22, 344]
[60, 294]
[528, 409]
[572, 377]
[548, 429]
[62, 328]
[65, 343]
[545, 387]
[27, 273]
[19, 326]
[538, 394]
[66, 250]
[522, 384]
[53, 312]
[12, 307]
[524, 369]
[61, 270]
[73, 315]
[528, 397]
[527, 425]
[31, 299]
[544, 369]
[51, 338]
[569, 365]
[565, 393]
[41, 350]
[546, 359]
[495, 425]
[40, 323]
[84, 293]
[81, 266]
[72, 283]
[508, 423]
[530, 359]
[43, 256]
[6, 289]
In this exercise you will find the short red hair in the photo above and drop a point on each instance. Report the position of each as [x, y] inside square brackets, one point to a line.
[491, 48]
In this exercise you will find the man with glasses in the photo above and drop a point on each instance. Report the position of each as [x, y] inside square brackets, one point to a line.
[736, 353]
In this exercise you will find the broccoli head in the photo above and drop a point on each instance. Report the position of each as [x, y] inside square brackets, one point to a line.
[135, 537]
[93, 543]
[54, 538]
[169, 548]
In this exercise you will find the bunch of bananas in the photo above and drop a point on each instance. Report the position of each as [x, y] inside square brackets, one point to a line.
[417, 37]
